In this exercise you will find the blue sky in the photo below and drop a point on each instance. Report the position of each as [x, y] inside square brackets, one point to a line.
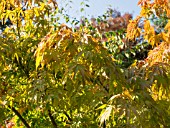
[98, 7]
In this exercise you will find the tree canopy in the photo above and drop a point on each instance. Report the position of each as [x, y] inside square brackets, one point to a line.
[111, 71]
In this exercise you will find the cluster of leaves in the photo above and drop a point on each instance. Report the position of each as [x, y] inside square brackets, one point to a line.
[55, 76]
[111, 29]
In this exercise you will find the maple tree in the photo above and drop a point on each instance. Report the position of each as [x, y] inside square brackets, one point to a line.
[52, 75]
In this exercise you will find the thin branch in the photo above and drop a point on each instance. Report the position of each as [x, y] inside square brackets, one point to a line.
[104, 124]
[52, 119]
[20, 117]
[69, 118]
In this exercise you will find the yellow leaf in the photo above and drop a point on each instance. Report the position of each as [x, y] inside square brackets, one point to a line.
[16, 55]
[149, 33]
[163, 36]
[137, 32]
[42, 6]
[147, 25]
[143, 12]
[36, 12]
[168, 13]
[151, 40]
[102, 107]
[127, 94]
[134, 64]
[167, 25]
[38, 60]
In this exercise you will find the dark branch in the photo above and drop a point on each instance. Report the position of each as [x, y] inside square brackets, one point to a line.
[104, 124]
[20, 117]
[52, 119]
[69, 118]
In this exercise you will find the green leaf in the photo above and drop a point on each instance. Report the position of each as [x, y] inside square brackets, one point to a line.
[82, 9]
